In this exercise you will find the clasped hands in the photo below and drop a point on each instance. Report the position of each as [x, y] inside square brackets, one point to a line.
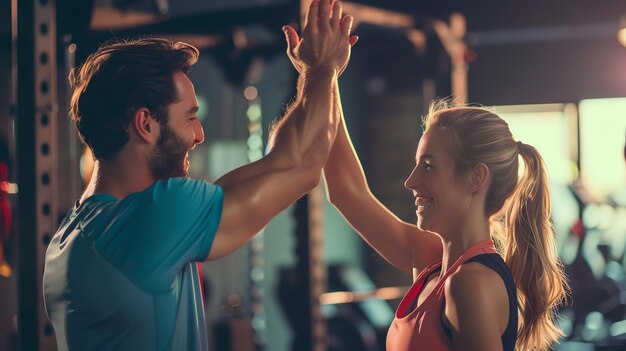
[326, 40]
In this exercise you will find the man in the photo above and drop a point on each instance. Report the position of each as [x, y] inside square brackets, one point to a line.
[120, 272]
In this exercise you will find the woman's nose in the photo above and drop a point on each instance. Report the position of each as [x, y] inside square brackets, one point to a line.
[411, 180]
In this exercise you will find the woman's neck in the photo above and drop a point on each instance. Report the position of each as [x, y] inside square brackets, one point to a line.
[458, 241]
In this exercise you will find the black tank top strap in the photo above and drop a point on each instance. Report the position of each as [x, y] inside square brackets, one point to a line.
[497, 264]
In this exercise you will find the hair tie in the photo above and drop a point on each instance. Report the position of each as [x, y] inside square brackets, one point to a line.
[519, 145]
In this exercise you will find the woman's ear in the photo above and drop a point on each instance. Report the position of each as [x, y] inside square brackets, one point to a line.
[480, 177]
[145, 126]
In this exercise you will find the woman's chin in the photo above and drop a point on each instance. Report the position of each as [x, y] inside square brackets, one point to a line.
[421, 225]
[426, 227]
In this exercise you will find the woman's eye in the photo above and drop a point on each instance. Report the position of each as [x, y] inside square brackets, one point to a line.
[427, 166]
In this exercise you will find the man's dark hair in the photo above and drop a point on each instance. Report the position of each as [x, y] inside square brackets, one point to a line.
[117, 80]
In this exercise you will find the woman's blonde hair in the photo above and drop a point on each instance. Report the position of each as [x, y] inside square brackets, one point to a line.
[519, 212]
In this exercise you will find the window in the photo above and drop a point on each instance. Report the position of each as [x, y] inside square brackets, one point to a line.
[602, 137]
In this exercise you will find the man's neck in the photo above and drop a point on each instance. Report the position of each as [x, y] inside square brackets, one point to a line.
[118, 180]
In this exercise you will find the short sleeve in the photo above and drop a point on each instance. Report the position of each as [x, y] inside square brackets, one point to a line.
[149, 236]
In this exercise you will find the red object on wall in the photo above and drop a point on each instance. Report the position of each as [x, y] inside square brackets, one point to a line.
[5, 208]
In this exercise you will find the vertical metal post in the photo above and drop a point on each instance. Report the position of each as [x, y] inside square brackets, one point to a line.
[451, 37]
[37, 161]
[317, 267]
[301, 284]
[46, 148]
[24, 39]
[309, 326]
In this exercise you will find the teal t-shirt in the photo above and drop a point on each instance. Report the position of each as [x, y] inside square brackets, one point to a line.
[122, 274]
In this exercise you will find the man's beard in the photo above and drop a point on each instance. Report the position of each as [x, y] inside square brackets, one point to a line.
[168, 158]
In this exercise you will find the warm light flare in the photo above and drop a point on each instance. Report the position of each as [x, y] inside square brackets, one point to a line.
[337, 297]
[8, 187]
[250, 93]
[621, 36]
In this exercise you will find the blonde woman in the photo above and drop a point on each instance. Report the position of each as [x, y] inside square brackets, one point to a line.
[482, 255]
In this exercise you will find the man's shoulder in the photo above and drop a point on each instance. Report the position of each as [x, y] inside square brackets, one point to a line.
[176, 194]
[182, 184]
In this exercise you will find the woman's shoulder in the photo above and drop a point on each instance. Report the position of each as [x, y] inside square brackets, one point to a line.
[476, 277]
[475, 293]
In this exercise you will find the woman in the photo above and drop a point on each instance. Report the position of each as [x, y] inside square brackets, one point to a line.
[483, 246]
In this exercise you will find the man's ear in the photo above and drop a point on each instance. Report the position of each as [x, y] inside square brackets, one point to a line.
[145, 126]
[480, 177]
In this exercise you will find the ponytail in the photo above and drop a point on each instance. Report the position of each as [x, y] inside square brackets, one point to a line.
[531, 254]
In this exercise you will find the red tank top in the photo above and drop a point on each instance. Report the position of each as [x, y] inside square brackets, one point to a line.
[421, 329]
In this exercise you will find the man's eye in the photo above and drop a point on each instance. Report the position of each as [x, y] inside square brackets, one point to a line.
[427, 166]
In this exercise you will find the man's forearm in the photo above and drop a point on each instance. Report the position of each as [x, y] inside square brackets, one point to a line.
[308, 130]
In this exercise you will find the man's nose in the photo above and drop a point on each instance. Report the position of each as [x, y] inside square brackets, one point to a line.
[198, 133]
